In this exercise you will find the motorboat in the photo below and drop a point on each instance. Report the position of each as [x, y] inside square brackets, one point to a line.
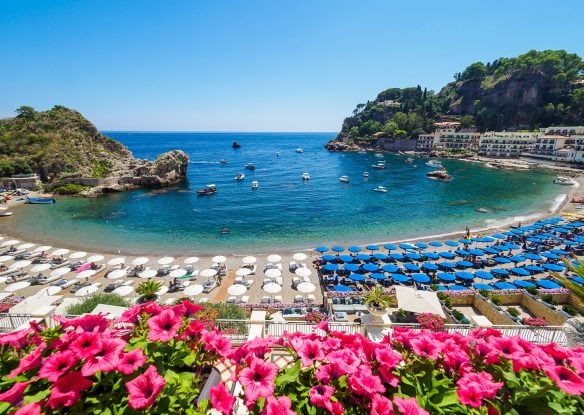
[378, 155]
[255, 185]
[235, 144]
[277, 154]
[344, 179]
[305, 176]
[208, 190]
[223, 161]
[240, 176]
[568, 181]
[40, 200]
[365, 174]
[250, 166]
[381, 189]
[380, 165]
[409, 160]
[300, 150]
[433, 163]
[441, 175]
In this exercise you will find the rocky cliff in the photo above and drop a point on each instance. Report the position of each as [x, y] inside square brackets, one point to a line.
[63, 147]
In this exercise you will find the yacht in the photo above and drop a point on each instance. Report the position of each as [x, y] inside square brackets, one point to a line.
[365, 174]
[255, 185]
[433, 163]
[380, 165]
[208, 190]
[240, 176]
[565, 181]
[250, 166]
[305, 176]
[381, 189]
[378, 155]
[299, 150]
[344, 179]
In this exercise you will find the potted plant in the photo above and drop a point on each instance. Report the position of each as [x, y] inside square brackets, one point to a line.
[148, 290]
[377, 302]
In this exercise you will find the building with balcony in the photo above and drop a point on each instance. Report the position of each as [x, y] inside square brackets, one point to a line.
[506, 144]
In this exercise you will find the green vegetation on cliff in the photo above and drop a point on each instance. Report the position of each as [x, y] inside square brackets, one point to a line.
[534, 90]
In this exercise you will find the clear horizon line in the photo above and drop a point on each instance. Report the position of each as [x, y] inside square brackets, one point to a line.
[216, 131]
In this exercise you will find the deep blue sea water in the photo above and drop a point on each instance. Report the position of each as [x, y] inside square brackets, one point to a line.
[285, 213]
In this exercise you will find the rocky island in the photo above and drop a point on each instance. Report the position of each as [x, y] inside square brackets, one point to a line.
[70, 156]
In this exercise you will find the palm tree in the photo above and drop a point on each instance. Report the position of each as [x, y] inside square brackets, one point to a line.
[148, 290]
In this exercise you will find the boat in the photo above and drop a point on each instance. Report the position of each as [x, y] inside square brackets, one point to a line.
[40, 200]
[5, 213]
[380, 165]
[208, 190]
[299, 150]
[277, 154]
[378, 155]
[255, 185]
[344, 179]
[240, 176]
[250, 166]
[565, 181]
[305, 176]
[362, 152]
[433, 163]
[365, 174]
[381, 189]
[222, 161]
[441, 175]
[409, 160]
[235, 144]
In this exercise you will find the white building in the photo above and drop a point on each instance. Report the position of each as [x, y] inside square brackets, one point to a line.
[560, 144]
[426, 142]
[506, 144]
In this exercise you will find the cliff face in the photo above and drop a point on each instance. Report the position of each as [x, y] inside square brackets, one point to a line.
[63, 147]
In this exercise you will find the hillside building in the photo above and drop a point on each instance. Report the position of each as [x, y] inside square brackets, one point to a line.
[506, 144]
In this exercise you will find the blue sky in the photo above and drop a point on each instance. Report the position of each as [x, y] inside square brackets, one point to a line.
[279, 65]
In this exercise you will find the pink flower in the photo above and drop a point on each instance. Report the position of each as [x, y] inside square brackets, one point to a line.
[221, 400]
[320, 396]
[164, 326]
[17, 339]
[280, 406]
[566, 379]
[258, 380]
[33, 408]
[14, 395]
[187, 308]
[380, 405]
[67, 390]
[86, 344]
[424, 346]
[87, 322]
[31, 361]
[57, 364]
[365, 383]
[131, 361]
[216, 342]
[145, 388]
[409, 406]
[345, 361]
[308, 351]
[106, 359]
[323, 325]
[473, 387]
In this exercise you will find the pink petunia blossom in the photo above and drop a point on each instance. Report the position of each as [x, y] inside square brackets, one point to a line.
[86, 344]
[106, 359]
[144, 389]
[216, 342]
[380, 405]
[152, 308]
[409, 406]
[222, 400]
[325, 373]
[14, 395]
[131, 361]
[30, 361]
[164, 326]
[365, 383]
[17, 339]
[424, 346]
[566, 379]
[33, 408]
[258, 380]
[186, 308]
[309, 351]
[87, 322]
[474, 387]
[57, 365]
[345, 361]
[280, 406]
[67, 390]
[320, 396]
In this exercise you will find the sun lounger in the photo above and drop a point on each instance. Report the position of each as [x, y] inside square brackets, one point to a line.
[248, 283]
[292, 266]
[310, 298]
[203, 300]
[279, 281]
[265, 300]
[245, 299]
[279, 266]
[277, 298]
[232, 299]
[298, 299]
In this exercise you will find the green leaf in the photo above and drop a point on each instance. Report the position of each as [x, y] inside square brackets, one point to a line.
[290, 375]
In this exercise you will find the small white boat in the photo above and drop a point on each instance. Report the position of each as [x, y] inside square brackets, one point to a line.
[240, 176]
[299, 150]
[277, 154]
[344, 179]
[378, 155]
[568, 181]
[365, 174]
[409, 160]
[305, 176]
[433, 163]
[381, 189]
[255, 185]
[362, 152]
[380, 165]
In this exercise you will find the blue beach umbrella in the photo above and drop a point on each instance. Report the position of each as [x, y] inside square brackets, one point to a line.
[533, 268]
[370, 267]
[421, 278]
[413, 256]
[328, 257]
[476, 252]
[400, 278]
[534, 240]
[377, 276]
[500, 248]
[499, 271]
[517, 258]
[553, 267]
[512, 246]
[357, 277]
[447, 265]
[354, 248]
[429, 266]
[390, 268]
[321, 249]
[390, 247]
[483, 275]
[363, 257]
[462, 252]
[480, 286]
[446, 277]
[442, 288]
[502, 285]
[457, 288]
[397, 256]
[464, 264]
[412, 267]
[523, 284]
[533, 257]
[578, 280]
[465, 241]
[342, 288]
[346, 258]
[421, 245]
[549, 255]
[499, 236]
[446, 255]
[338, 248]
[351, 267]
[430, 255]
[381, 256]
[372, 247]
[435, 243]
[487, 239]
[463, 275]
[519, 271]
[491, 251]
[558, 252]
[331, 267]
[502, 260]
[547, 284]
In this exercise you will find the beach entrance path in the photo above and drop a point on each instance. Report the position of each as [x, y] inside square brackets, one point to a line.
[221, 293]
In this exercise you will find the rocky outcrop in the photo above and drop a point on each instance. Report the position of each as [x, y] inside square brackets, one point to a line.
[334, 145]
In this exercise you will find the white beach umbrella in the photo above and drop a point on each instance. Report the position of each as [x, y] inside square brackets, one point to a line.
[272, 288]
[25, 246]
[59, 272]
[273, 273]
[274, 258]
[43, 248]
[21, 264]
[208, 272]
[124, 290]
[95, 258]
[195, 289]
[141, 260]
[149, 273]
[219, 259]
[82, 292]
[40, 267]
[117, 274]
[5, 258]
[237, 289]
[163, 290]
[306, 287]
[242, 272]
[299, 256]
[59, 252]
[85, 274]
[166, 260]
[248, 260]
[2, 281]
[52, 290]
[77, 255]
[303, 272]
[10, 242]
[191, 260]
[177, 273]
[17, 286]
[116, 261]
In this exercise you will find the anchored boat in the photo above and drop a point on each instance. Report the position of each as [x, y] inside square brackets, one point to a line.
[40, 200]
[568, 181]
[255, 185]
[235, 144]
[344, 179]
[240, 176]
[208, 190]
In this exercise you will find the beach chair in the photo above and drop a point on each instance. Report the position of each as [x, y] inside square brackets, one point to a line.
[267, 281]
[277, 298]
[310, 298]
[279, 281]
[231, 300]
[238, 280]
[245, 299]
[295, 281]
[203, 300]
[248, 283]
[292, 266]
[265, 300]
[170, 301]
[298, 299]
[279, 266]
[306, 279]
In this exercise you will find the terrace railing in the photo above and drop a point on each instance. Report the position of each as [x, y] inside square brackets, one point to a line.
[10, 322]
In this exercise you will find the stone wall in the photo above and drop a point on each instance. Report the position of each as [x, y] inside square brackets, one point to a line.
[390, 144]
[539, 309]
[29, 182]
[490, 311]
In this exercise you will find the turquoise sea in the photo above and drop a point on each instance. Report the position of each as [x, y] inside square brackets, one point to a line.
[285, 213]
